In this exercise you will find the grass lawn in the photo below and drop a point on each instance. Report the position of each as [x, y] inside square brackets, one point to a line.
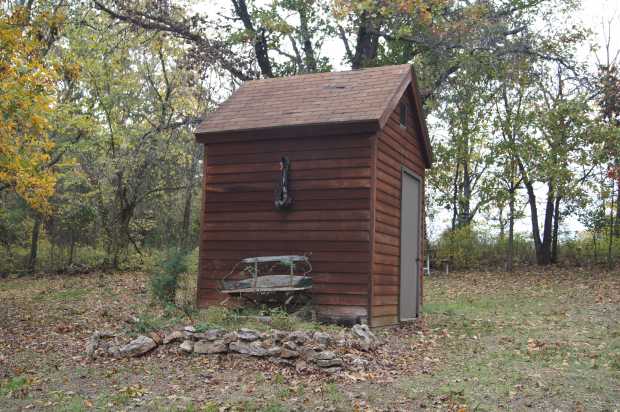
[532, 340]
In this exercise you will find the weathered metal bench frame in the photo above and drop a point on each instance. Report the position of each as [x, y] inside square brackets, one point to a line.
[276, 260]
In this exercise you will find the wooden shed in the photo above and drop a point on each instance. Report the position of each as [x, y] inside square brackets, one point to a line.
[358, 148]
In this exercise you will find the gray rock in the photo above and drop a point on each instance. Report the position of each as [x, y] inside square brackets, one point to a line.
[301, 366]
[189, 329]
[290, 345]
[328, 363]
[174, 336]
[208, 347]
[230, 337]
[139, 346]
[94, 341]
[299, 337]
[307, 353]
[333, 370]
[366, 339]
[278, 335]
[274, 351]
[187, 346]
[92, 345]
[359, 363]
[322, 338]
[210, 335]
[248, 335]
[289, 354]
[114, 351]
[252, 348]
[325, 355]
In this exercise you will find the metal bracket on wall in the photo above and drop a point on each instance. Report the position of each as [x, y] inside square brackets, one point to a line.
[283, 200]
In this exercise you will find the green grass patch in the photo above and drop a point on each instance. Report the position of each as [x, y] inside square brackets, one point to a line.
[16, 386]
[539, 342]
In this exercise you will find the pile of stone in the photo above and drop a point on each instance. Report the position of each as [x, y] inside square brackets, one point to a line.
[299, 349]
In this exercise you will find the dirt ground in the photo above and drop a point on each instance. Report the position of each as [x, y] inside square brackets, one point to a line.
[532, 340]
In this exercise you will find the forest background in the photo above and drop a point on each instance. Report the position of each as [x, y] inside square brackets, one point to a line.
[99, 168]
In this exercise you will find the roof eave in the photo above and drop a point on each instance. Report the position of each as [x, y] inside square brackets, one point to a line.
[409, 80]
[423, 128]
[368, 126]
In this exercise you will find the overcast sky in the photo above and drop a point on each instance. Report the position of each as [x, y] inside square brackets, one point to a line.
[597, 15]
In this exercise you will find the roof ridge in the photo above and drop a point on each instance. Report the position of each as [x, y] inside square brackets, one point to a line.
[337, 72]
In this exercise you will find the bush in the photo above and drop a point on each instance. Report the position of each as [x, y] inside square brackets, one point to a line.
[165, 276]
[468, 248]
[587, 251]
[186, 284]
[461, 247]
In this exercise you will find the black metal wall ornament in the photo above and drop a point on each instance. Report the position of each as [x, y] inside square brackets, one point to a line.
[283, 200]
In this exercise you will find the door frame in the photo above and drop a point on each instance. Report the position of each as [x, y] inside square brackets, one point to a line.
[404, 170]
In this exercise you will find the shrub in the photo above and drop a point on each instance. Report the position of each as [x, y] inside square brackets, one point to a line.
[186, 284]
[461, 247]
[280, 319]
[165, 276]
[586, 250]
[469, 248]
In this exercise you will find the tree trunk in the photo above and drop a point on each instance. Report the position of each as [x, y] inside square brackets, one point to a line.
[511, 232]
[594, 246]
[531, 196]
[617, 220]
[556, 227]
[502, 224]
[610, 263]
[367, 43]
[71, 252]
[185, 242]
[261, 48]
[545, 257]
[34, 243]
[465, 200]
[455, 197]
[309, 58]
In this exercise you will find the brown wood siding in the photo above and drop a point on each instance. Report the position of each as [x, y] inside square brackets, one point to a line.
[396, 147]
[330, 182]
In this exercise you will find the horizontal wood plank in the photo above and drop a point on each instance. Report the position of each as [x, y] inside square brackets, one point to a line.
[280, 216]
[245, 167]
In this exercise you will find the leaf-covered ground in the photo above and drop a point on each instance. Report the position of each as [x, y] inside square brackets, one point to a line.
[533, 340]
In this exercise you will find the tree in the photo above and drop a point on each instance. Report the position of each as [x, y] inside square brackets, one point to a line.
[556, 153]
[26, 104]
[467, 152]
[607, 91]
[440, 37]
[142, 148]
[511, 119]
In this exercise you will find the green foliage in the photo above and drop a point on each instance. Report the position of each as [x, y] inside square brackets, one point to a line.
[149, 323]
[165, 276]
[280, 319]
[470, 248]
[589, 250]
[16, 386]
[460, 247]
[217, 315]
